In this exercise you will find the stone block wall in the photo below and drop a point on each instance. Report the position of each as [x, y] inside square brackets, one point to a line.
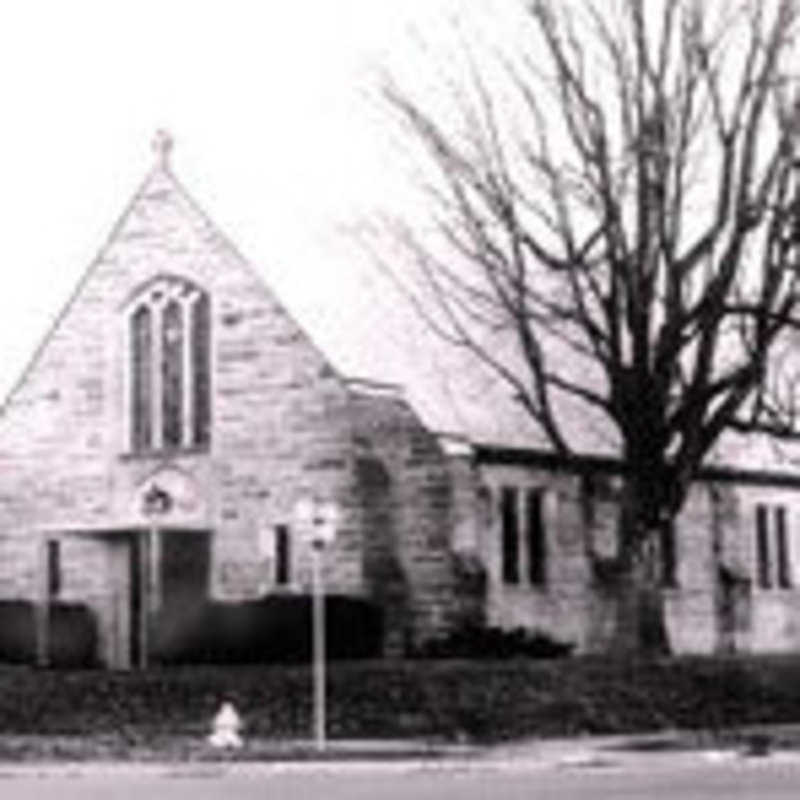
[772, 621]
[285, 425]
[415, 518]
[406, 493]
[561, 604]
[280, 419]
[715, 604]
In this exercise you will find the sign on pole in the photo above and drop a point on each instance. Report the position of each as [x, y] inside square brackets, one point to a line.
[318, 522]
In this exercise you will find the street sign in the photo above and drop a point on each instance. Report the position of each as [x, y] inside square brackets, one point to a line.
[317, 520]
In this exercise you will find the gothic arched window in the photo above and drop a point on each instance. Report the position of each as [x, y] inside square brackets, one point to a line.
[141, 373]
[169, 340]
[172, 374]
[201, 371]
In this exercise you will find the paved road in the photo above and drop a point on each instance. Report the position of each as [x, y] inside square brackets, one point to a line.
[763, 779]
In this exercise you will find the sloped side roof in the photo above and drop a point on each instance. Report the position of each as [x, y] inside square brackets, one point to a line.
[454, 393]
[449, 389]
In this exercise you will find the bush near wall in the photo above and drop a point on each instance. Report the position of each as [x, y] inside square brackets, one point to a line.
[480, 642]
[486, 701]
[72, 634]
[272, 629]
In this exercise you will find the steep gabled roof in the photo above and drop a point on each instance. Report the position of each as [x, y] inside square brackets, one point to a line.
[449, 389]
[160, 217]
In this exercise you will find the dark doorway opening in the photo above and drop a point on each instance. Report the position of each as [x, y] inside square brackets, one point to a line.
[185, 563]
[136, 584]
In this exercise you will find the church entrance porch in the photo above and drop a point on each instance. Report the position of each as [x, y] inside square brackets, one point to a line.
[135, 581]
[160, 576]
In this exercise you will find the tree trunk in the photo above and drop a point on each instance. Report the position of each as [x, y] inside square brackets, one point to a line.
[635, 596]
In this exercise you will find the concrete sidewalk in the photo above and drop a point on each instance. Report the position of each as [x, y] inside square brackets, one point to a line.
[751, 744]
[648, 751]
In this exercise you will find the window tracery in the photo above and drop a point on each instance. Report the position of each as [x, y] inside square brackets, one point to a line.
[169, 351]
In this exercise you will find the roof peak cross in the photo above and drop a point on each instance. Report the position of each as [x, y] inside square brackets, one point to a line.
[162, 147]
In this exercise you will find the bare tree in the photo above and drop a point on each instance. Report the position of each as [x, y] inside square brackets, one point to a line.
[625, 192]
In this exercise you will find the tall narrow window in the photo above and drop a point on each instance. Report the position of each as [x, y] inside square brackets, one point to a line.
[201, 358]
[172, 375]
[53, 569]
[537, 542]
[773, 553]
[283, 556]
[782, 549]
[170, 350]
[509, 520]
[141, 383]
[763, 566]
[669, 554]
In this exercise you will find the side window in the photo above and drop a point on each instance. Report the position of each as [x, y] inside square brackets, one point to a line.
[509, 521]
[669, 554]
[283, 556]
[784, 575]
[772, 552]
[763, 564]
[53, 569]
[524, 551]
[536, 537]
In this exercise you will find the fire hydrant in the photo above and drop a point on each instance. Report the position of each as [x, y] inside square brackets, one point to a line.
[226, 727]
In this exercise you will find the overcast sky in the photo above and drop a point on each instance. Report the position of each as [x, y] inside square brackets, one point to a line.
[277, 136]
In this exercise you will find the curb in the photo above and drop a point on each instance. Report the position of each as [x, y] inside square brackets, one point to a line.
[218, 770]
[601, 754]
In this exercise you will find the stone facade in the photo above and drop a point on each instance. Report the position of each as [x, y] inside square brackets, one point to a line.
[725, 596]
[284, 425]
[103, 502]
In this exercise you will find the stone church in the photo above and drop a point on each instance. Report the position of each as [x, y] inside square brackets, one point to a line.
[155, 450]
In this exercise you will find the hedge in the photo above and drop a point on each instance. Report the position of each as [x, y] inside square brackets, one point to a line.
[485, 700]
[72, 634]
[476, 642]
[272, 629]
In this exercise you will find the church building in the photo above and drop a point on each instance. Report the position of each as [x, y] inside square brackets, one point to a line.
[155, 452]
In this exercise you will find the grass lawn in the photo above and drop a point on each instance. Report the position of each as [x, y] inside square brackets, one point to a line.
[167, 711]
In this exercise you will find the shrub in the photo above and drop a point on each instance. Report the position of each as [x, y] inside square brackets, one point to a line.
[480, 642]
[72, 634]
[17, 632]
[272, 629]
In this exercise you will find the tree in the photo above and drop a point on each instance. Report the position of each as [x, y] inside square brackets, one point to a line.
[625, 193]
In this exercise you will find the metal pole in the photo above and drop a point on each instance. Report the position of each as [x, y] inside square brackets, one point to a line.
[43, 609]
[318, 633]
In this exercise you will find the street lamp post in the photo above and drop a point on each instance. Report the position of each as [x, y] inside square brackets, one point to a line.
[317, 520]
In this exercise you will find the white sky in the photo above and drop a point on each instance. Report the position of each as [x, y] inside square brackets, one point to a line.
[276, 138]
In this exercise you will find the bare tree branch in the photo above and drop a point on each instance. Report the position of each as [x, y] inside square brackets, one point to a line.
[630, 197]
